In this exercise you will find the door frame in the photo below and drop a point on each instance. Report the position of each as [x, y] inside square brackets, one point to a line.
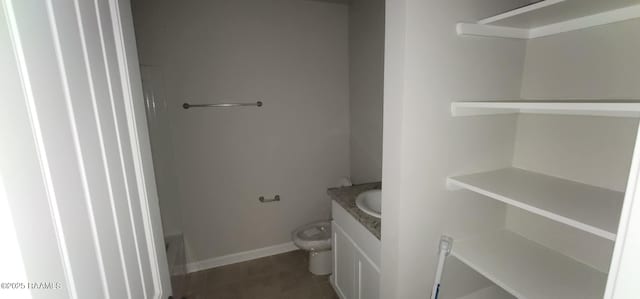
[130, 81]
[140, 142]
[625, 263]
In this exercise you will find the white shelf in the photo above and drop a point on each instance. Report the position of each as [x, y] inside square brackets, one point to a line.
[550, 17]
[492, 292]
[528, 270]
[592, 209]
[618, 108]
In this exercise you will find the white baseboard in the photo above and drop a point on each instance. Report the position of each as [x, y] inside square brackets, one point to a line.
[335, 289]
[240, 257]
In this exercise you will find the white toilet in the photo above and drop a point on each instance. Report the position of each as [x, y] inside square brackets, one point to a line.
[316, 238]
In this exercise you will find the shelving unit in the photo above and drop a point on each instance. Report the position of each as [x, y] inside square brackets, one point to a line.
[589, 208]
[616, 108]
[550, 17]
[528, 270]
[570, 263]
[523, 268]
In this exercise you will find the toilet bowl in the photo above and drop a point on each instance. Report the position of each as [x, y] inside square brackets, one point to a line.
[316, 238]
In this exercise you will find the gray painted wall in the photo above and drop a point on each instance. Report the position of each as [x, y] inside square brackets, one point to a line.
[366, 83]
[292, 55]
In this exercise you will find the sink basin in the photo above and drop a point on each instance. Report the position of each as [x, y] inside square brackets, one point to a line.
[370, 202]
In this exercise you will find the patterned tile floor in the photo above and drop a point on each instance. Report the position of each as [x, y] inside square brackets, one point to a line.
[280, 276]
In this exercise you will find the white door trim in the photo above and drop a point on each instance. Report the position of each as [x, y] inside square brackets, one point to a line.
[63, 64]
[625, 263]
[140, 143]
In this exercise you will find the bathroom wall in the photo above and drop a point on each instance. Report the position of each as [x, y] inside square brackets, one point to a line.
[597, 63]
[366, 82]
[290, 54]
[427, 66]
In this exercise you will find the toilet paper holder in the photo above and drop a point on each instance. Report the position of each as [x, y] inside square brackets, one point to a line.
[263, 200]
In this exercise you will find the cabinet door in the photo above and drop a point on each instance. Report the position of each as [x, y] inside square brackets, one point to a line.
[345, 261]
[368, 279]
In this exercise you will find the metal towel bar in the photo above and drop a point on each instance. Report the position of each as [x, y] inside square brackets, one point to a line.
[187, 105]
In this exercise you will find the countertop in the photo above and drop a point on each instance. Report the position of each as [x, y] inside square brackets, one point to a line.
[346, 197]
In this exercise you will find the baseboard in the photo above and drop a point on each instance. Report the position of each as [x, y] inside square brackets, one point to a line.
[335, 289]
[240, 257]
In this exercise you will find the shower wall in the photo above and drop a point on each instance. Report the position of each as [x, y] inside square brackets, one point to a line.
[366, 81]
[290, 54]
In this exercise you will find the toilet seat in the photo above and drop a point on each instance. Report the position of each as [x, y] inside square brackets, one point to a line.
[314, 236]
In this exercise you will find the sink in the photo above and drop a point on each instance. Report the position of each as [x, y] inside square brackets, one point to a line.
[370, 202]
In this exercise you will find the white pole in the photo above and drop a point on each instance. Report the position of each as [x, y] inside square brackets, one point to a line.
[445, 248]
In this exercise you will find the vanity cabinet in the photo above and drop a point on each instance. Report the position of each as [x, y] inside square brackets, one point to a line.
[356, 258]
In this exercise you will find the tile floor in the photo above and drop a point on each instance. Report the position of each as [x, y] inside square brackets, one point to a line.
[280, 276]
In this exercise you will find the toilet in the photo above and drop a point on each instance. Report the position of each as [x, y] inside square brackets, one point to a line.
[316, 238]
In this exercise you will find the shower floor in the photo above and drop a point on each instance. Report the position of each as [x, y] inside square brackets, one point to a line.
[280, 276]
